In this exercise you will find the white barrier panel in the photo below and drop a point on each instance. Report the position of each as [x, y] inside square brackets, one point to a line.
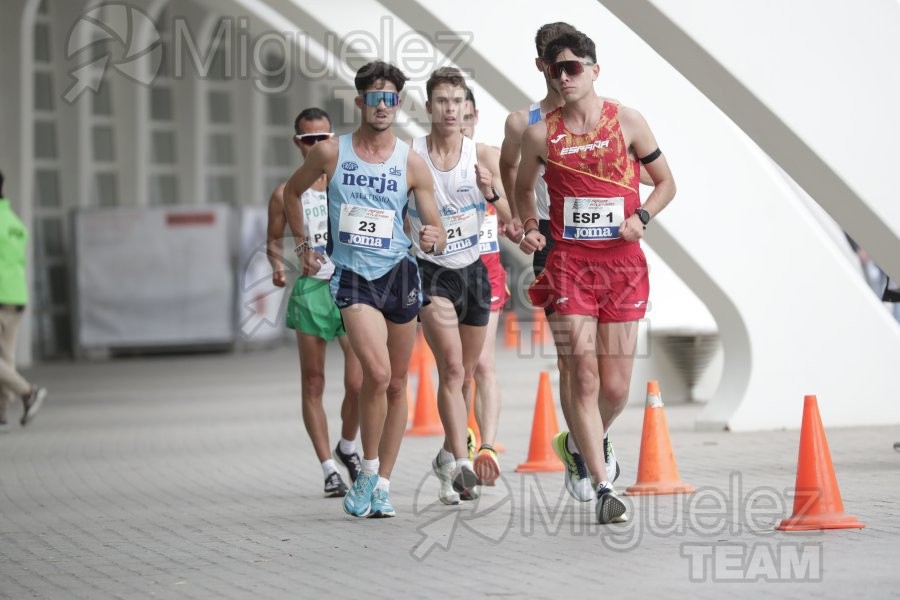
[261, 304]
[150, 277]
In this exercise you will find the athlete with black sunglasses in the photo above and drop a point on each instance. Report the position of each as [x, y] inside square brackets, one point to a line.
[592, 152]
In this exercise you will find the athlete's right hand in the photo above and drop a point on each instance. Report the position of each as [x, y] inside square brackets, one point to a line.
[312, 262]
[533, 241]
[428, 238]
[278, 278]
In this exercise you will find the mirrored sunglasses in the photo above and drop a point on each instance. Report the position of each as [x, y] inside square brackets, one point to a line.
[375, 98]
[571, 67]
[308, 139]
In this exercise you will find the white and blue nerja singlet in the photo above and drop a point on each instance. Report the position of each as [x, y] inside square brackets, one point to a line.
[541, 195]
[315, 220]
[460, 205]
[366, 208]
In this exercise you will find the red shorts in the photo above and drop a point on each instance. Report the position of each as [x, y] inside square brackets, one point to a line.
[610, 284]
[497, 275]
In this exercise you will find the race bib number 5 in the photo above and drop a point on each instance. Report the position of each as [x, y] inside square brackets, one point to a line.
[488, 235]
[366, 227]
[592, 219]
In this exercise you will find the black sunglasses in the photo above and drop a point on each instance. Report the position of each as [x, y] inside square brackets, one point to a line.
[308, 139]
[571, 67]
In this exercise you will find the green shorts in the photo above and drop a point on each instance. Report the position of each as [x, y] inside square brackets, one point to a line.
[312, 310]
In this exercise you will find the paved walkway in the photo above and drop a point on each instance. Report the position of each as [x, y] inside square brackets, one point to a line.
[192, 477]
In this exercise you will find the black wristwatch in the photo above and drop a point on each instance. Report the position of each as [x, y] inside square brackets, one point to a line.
[495, 198]
[643, 215]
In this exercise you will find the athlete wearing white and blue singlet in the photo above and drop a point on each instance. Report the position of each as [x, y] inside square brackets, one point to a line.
[375, 284]
[456, 280]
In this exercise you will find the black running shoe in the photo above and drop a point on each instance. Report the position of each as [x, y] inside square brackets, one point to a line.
[335, 486]
[465, 483]
[33, 404]
[350, 461]
[610, 508]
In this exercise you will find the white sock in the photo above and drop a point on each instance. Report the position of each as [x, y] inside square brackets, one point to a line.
[604, 484]
[347, 446]
[571, 446]
[383, 484]
[370, 466]
[445, 457]
[329, 467]
[464, 462]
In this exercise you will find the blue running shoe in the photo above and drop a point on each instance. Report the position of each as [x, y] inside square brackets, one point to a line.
[358, 501]
[381, 505]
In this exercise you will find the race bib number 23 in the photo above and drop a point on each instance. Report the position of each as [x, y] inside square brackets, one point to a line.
[366, 227]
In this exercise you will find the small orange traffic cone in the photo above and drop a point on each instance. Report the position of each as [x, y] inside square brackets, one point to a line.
[541, 458]
[511, 330]
[426, 420]
[817, 499]
[657, 471]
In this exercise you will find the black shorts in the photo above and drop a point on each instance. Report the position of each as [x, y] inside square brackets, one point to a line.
[469, 288]
[540, 256]
[397, 293]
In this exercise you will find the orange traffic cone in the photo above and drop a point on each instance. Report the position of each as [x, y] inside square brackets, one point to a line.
[511, 330]
[541, 458]
[817, 499]
[540, 328]
[657, 472]
[426, 420]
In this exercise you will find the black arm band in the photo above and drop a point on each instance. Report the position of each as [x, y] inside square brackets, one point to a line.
[651, 157]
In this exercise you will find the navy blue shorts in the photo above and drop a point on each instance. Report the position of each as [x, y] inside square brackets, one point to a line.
[397, 294]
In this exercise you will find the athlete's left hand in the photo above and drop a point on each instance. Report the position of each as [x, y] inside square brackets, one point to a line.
[484, 180]
[632, 229]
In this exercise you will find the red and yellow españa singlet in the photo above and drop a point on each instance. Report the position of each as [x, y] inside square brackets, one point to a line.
[592, 180]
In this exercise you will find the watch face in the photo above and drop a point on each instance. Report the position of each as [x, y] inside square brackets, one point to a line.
[643, 215]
